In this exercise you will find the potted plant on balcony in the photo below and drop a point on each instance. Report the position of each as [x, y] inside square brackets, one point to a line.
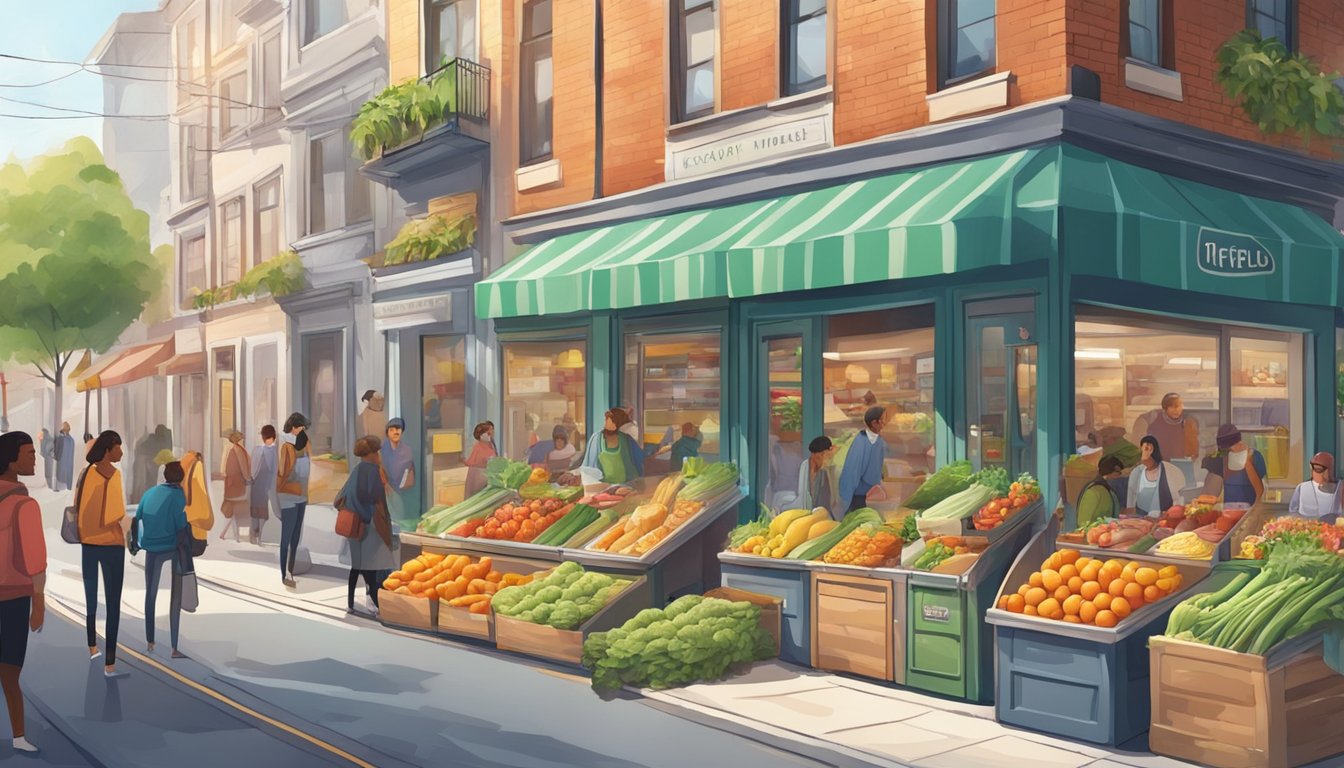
[1280, 91]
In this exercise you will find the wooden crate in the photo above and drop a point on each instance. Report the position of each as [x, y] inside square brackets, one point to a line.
[567, 645]
[407, 612]
[1238, 710]
[461, 622]
[852, 625]
[771, 608]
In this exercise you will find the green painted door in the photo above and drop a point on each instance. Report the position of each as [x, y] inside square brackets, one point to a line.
[1001, 385]
[783, 389]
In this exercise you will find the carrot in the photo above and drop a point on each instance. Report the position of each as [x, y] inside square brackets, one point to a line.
[604, 543]
[480, 608]
[465, 600]
[494, 576]
[476, 587]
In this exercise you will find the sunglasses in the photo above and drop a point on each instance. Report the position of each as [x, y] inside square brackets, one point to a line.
[1317, 468]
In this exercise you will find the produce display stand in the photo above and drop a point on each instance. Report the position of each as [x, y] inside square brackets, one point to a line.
[566, 646]
[1239, 710]
[1225, 549]
[1075, 680]
[858, 621]
[947, 641]
[788, 580]
[422, 614]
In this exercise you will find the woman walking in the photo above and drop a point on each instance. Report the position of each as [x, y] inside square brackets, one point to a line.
[200, 515]
[102, 506]
[398, 464]
[291, 485]
[237, 476]
[23, 573]
[263, 501]
[365, 493]
[163, 532]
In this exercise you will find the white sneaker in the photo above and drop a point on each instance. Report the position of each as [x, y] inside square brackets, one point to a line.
[23, 745]
[373, 607]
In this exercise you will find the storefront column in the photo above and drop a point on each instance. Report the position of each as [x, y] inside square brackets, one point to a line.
[603, 372]
[393, 393]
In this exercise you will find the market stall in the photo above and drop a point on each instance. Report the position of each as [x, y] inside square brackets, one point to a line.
[1205, 529]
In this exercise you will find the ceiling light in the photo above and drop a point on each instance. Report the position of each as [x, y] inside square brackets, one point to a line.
[1096, 354]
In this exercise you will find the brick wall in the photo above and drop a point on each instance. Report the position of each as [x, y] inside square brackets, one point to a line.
[881, 72]
[403, 40]
[748, 52]
[634, 107]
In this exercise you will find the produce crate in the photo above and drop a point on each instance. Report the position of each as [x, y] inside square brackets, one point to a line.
[461, 622]
[406, 612]
[852, 625]
[1082, 682]
[788, 580]
[566, 645]
[770, 618]
[1239, 710]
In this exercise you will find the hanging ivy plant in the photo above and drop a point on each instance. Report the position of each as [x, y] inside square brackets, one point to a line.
[429, 238]
[1280, 92]
[279, 275]
[404, 112]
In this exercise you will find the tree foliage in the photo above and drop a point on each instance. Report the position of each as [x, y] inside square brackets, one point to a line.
[1280, 92]
[76, 268]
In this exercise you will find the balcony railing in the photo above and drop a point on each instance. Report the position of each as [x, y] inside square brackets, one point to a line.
[467, 85]
[404, 113]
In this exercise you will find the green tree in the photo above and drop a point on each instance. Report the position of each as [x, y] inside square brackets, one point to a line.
[76, 268]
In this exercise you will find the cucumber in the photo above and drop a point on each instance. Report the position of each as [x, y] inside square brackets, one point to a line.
[573, 520]
[811, 550]
[1143, 545]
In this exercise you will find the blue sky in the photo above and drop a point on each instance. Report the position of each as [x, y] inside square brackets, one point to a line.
[52, 29]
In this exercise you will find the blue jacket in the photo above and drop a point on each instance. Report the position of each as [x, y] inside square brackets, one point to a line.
[863, 467]
[162, 514]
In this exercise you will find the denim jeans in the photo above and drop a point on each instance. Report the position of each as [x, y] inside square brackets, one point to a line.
[291, 526]
[153, 569]
[112, 559]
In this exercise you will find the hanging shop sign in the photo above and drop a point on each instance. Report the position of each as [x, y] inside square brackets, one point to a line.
[1232, 254]
[390, 315]
[751, 147]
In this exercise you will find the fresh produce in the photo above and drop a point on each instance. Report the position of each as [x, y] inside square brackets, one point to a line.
[579, 517]
[606, 518]
[539, 475]
[1119, 533]
[994, 478]
[645, 518]
[565, 598]
[1299, 533]
[816, 548]
[694, 638]
[1021, 493]
[960, 505]
[479, 504]
[1144, 544]
[869, 546]
[516, 522]
[789, 530]
[667, 490]
[950, 480]
[1299, 588]
[532, 491]
[934, 555]
[1187, 544]
[503, 473]
[453, 579]
[709, 482]
[1081, 590]
[909, 530]
[682, 511]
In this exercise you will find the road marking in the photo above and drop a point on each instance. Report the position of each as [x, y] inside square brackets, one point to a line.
[78, 621]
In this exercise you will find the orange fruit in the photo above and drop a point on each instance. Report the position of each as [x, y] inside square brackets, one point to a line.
[1029, 610]
[1090, 571]
[1050, 609]
[1146, 576]
[1035, 579]
[1117, 588]
[1083, 562]
[1168, 572]
[1118, 565]
[1072, 619]
[1073, 605]
[1051, 563]
[1067, 571]
[1016, 603]
[1035, 596]
[1121, 607]
[1051, 580]
[1076, 584]
[1133, 592]
[1022, 590]
[1151, 594]
[1109, 572]
[1102, 601]
[1106, 619]
[1087, 612]
[1062, 593]
[1089, 590]
[1165, 585]
[1003, 603]
[1128, 572]
[1068, 555]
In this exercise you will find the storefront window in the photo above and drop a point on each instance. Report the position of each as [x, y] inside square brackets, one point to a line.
[191, 406]
[784, 437]
[265, 389]
[673, 381]
[1125, 363]
[225, 402]
[545, 386]
[883, 358]
[324, 392]
[443, 397]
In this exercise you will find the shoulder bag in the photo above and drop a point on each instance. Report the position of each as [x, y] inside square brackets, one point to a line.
[348, 522]
[197, 545]
[70, 520]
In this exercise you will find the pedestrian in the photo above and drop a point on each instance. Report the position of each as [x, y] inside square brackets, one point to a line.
[47, 447]
[263, 500]
[237, 476]
[398, 462]
[200, 514]
[291, 485]
[102, 506]
[65, 459]
[164, 533]
[366, 494]
[481, 454]
[23, 573]
[864, 463]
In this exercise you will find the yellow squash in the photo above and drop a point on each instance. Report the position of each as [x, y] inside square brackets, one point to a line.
[783, 520]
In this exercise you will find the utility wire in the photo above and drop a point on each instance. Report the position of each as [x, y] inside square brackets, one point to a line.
[44, 82]
[16, 57]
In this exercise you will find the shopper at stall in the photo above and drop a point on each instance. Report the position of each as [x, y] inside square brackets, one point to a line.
[1176, 433]
[23, 573]
[102, 507]
[365, 493]
[1319, 497]
[1241, 467]
[614, 453]
[481, 454]
[263, 502]
[816, 481]
[561, 456]
[399, 465]
[237, 477]
[536, 455]
[1098, 499]
[686, 446]
[293, 468]
[1153, 482]
[864, 461]
[162, 519]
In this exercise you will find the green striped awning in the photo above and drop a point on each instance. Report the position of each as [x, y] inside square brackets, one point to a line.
[938, 219]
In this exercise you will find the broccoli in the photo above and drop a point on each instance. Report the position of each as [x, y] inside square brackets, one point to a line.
[565, 616]
[542, 613]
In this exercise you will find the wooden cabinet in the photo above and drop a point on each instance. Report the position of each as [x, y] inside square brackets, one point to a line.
[852, 625]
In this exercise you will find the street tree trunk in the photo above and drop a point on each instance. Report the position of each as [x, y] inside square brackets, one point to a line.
[60, 397]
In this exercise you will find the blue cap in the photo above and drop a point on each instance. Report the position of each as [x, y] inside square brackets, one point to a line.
[399, 423]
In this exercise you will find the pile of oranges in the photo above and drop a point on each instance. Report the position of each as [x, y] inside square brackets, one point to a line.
[1081, 590]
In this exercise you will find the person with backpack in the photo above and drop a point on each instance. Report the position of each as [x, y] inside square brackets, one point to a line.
[163, 529]
[291, 487]
[200, 515]
[23, 573]
[101, 503]
[1098, 499]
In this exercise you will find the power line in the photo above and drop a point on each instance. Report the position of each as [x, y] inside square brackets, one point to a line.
[83, 112]
[16, 57]
[44, 82]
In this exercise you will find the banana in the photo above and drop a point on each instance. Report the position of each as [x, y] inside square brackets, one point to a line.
[781, 522]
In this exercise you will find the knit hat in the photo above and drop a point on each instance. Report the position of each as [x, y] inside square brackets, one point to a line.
[1228, 436]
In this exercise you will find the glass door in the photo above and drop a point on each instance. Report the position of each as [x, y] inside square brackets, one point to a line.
[782, 378]
[1001, 388]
